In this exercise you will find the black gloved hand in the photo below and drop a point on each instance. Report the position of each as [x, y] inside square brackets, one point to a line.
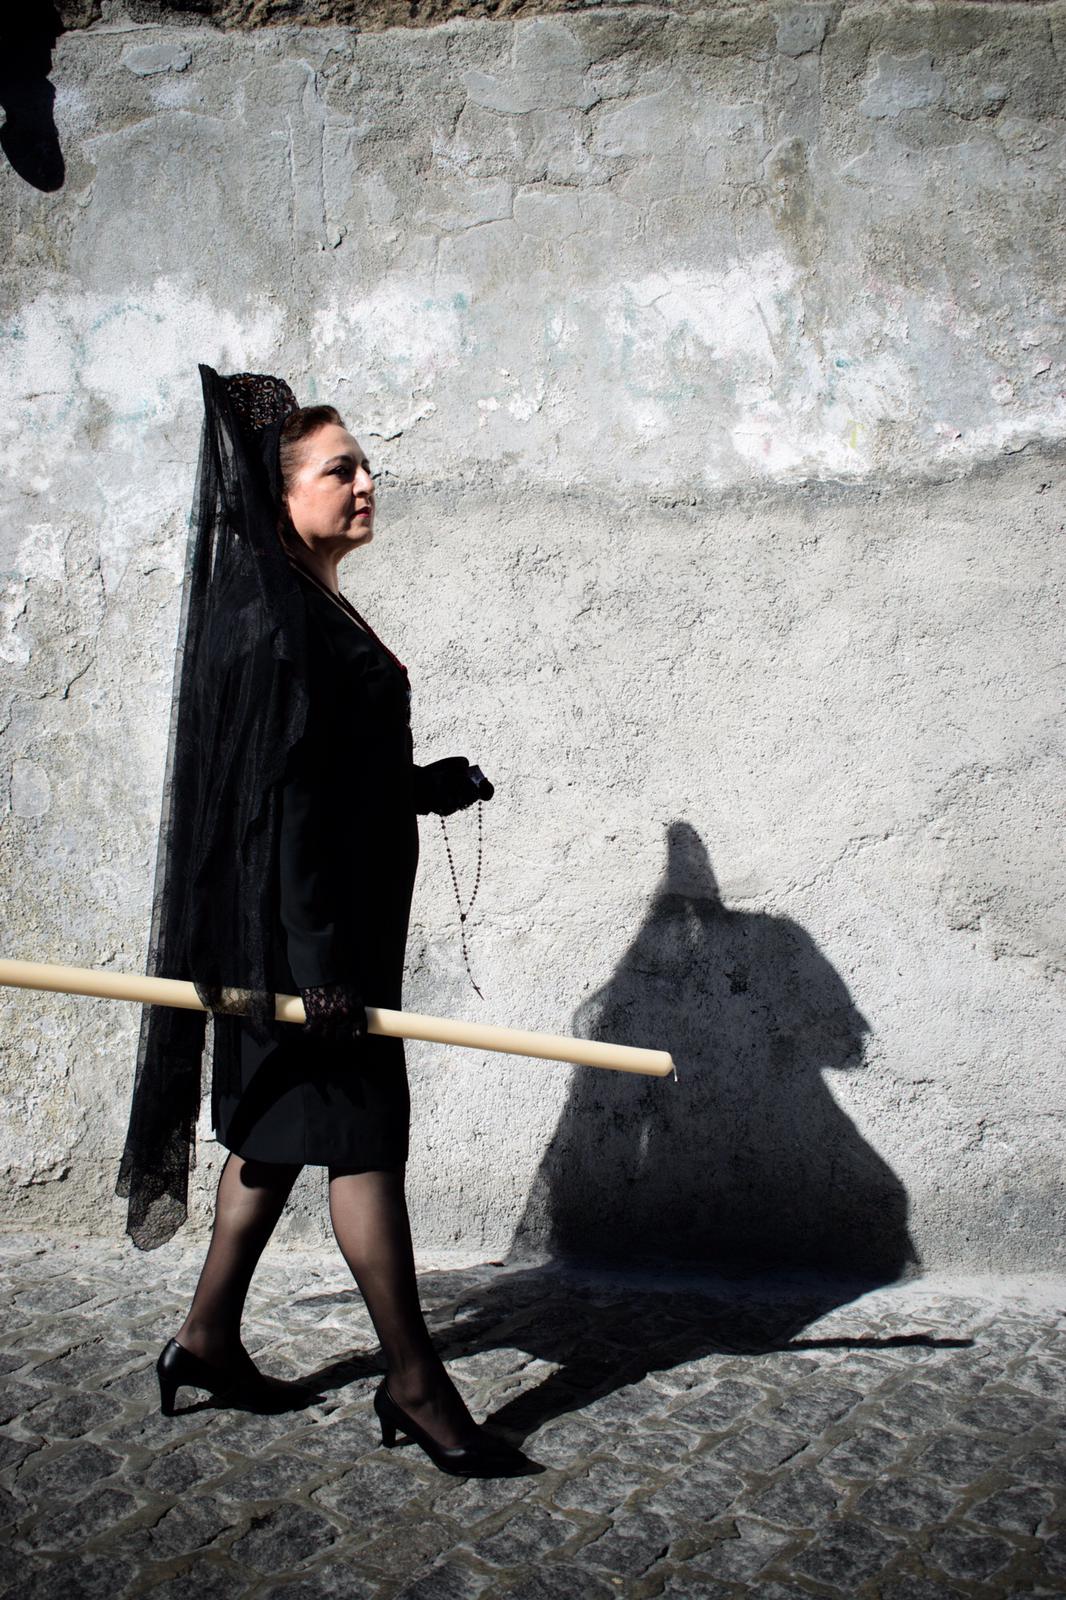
[445, 786]
[336, 1013]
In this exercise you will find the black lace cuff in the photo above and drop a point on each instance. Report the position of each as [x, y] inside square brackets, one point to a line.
[335, 1011]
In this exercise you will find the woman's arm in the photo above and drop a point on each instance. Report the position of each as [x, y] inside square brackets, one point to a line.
[308, 880]
[333, 1000]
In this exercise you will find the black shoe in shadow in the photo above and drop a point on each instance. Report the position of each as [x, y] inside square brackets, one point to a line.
[485, 1456]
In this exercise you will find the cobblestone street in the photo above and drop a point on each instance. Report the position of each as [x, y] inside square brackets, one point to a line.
[714, 1437]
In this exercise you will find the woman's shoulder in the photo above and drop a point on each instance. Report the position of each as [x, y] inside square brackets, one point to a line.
[329, 623]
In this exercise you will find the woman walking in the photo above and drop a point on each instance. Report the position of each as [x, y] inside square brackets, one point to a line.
[288, 854]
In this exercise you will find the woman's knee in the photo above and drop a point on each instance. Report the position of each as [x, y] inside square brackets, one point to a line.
[275, 1175]
[395, 1175]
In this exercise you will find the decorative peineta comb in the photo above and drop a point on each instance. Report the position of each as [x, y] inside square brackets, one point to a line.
[259, 399]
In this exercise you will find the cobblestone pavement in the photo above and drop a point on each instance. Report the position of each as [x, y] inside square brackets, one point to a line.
[710, 1437]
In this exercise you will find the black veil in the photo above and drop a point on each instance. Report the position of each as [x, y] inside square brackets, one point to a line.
[239, 705]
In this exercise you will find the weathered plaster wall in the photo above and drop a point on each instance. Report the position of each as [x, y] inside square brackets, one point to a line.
[712, 362]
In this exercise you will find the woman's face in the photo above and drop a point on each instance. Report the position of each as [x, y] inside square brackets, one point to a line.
[331, 494]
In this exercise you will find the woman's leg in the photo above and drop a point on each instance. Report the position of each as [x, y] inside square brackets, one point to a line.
[368, 1211]
[251, 1197]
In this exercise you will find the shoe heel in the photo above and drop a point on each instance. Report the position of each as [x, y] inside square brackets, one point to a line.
[387, 1421]
[487, 1457]
[168, 1385]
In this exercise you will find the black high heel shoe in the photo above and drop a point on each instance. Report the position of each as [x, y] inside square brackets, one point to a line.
[487, 1457]
[241, 1383]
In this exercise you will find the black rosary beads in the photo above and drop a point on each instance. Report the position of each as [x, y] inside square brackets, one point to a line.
[477, 879]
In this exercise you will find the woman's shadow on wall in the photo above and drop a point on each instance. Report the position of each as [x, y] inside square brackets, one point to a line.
[748, 1159]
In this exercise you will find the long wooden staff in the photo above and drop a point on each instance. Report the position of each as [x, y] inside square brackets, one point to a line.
[394, 1024]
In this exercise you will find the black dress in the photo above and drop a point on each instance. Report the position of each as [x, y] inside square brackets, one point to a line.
[348, 856]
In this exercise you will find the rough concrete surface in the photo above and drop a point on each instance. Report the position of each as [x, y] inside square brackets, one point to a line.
[708, 1439]
[711, 362]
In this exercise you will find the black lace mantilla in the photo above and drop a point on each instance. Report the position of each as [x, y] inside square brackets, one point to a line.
[238, 707]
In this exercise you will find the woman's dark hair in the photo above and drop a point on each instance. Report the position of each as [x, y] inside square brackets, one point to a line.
[298, 426]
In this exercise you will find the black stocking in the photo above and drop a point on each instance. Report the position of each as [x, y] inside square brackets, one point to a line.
[368, 1211]
[251, 1197]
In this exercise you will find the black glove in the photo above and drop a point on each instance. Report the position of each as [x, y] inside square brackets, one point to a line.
[448, 785]
[336, 1013]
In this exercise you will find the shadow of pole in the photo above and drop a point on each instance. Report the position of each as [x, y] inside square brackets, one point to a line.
[28, 32]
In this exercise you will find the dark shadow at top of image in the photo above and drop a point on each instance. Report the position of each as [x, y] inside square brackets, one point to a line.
[28, 33]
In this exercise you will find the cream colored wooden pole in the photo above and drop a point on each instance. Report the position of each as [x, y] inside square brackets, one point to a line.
[395, 1024]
